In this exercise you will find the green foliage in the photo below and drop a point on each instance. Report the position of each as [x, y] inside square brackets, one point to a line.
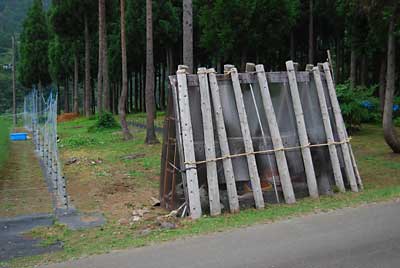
[33, 67]
[235, 30]
[12, 13]
[358, 105]
[79, 141]
[105, 121]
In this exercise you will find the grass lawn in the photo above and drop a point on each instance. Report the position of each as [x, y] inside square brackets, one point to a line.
[5, 125]
[98, 179]
[22, 187]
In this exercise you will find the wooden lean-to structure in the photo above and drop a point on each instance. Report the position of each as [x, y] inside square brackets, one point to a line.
[237, 140]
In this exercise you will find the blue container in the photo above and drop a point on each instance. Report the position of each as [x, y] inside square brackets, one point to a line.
[19, 136]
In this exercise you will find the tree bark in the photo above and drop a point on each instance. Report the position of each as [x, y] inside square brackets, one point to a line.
[100, 65]
[292, 52]
[136, 91]
[338, 62]
[66, 102]
[141, 103]
[76, 81]
[353, 67]
[162, 89]
[391, 137]
[88, 78]
[311, 34]
[150, 132]
[106, 82]
[364, 70]
[188, 34]
[122, 100]
[170, 62]
[382, 82]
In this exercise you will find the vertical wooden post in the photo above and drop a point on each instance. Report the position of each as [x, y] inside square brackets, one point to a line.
[209, 143]
[188, 146]
[302, 132]
[353, 159]
[247, 140]
[328, 130]
[178, 131]
[223, 143]
[340, 128]
[275, 137]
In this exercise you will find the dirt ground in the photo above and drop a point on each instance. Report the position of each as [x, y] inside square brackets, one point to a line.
[22, 187]
[67, 117]
[100, 180]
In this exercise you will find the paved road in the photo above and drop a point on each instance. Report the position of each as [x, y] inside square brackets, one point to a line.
[358, 237]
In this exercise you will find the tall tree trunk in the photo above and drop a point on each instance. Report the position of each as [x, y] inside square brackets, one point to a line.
[141, 104]
[150, 132]
[353, 67]
[364, 70]
[188, 34]
[106, 82]
[382, 82]
[162, 89]
[66, 104]
[170, 61]
[130, 94]
[100, 65]
[311, 33]
[292, 52]
[143, 89]
[14, 89]
[391, 137]
[122, 100]
[136, 92]
[76, 81]
[338, 62]
[88, 78]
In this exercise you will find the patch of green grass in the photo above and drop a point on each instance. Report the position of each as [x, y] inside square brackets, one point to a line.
[378, 166]
[5, 126]
[136, 173]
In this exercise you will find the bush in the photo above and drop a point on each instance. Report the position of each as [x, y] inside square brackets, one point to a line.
[358, 105]
[104, 121]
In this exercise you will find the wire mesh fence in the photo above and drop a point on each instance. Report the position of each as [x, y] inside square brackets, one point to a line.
[40, 118]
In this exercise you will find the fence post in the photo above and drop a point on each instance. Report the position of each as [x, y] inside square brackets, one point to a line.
[276, 138]
[223, 143]
[328, 130]
[209, 143]
[302, 131]
[341, 129]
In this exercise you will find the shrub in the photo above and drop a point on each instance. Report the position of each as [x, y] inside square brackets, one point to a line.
[79, 141]
[104, 121]
[358, 105]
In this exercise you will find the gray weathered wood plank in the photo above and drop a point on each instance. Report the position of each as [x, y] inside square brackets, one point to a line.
[341, 128]
[174, 83]
[251, 77]
[328, 130]
[223, 143]
[209, 143]
[277, 143]
[247, 140]
[188, 146]
[302, 131]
